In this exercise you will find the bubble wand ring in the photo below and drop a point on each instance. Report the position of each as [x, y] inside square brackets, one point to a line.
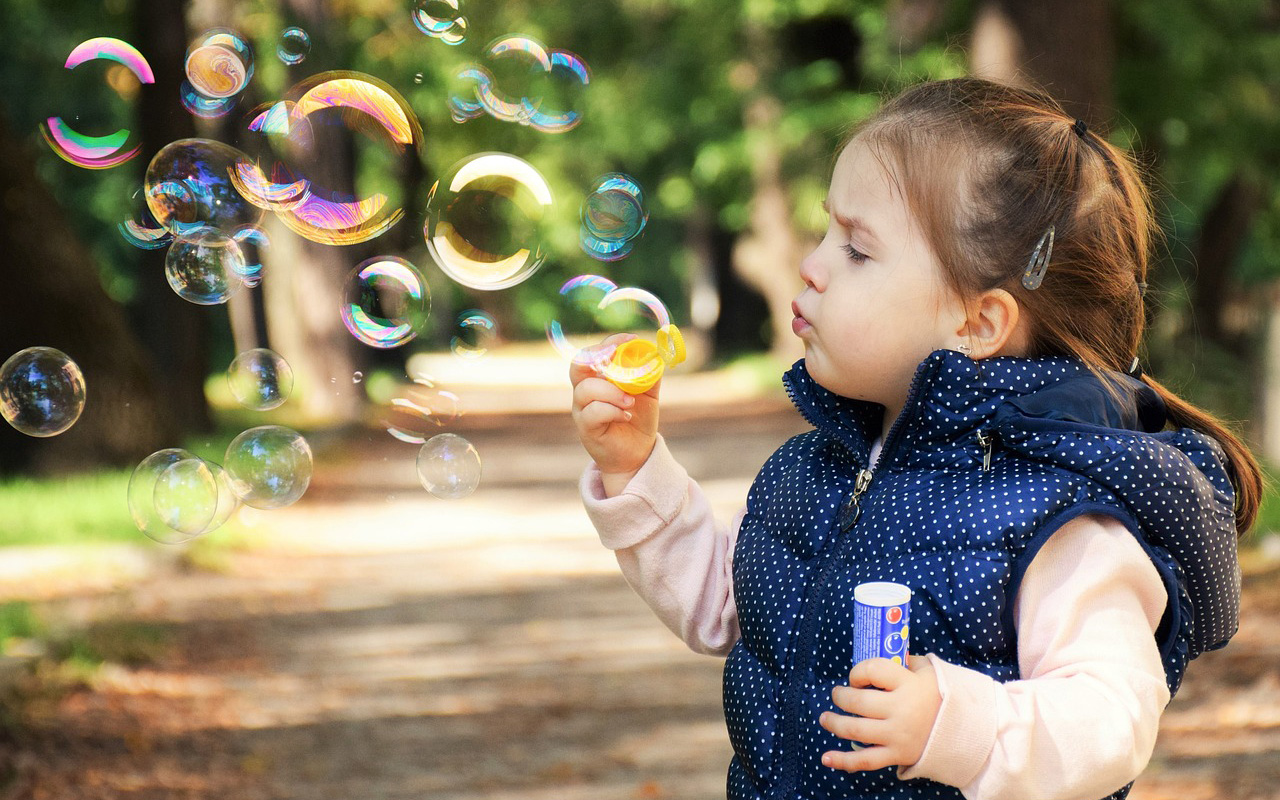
[637, 364]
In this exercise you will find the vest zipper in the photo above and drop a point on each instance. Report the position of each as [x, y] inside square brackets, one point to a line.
[851, 510]
[986, 441]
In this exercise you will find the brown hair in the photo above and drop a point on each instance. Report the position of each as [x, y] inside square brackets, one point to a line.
[986, 169]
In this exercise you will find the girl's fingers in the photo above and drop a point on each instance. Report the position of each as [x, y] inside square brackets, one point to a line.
[598, 415]
[860, 729]
[863, 702]
[866, 759]
[592, 390]
[878, 672]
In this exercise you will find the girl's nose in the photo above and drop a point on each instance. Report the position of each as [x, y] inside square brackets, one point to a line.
[811, 271]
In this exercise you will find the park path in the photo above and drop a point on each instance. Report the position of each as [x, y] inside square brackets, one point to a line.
[379, 644]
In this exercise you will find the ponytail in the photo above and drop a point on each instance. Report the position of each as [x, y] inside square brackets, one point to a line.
[1246, 476]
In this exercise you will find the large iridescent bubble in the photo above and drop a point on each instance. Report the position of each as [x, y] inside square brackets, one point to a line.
[188, 186]
[285, 178]
[109, 150]
[42, 391]
[485, 221]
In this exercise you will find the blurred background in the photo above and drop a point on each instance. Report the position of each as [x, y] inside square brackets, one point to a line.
[376, 639]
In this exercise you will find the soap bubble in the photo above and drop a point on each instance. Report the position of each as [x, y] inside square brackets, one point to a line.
[441, 19]
[269, 466]
[142, 495]
[295, 45]
[185, 496]
[524, 82]
[354, 103]
[485, 221]
[557, 107]
[98, 152]
[474, 334]
[260, 379]
[449, 466]
[42, 391]
[219, 64]
[357, 377]
[188, 186]
[386, 302]
[576, 324]
[419, 410]
[204, 266]
[612, 216]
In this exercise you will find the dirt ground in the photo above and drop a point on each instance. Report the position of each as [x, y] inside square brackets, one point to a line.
[380, 644]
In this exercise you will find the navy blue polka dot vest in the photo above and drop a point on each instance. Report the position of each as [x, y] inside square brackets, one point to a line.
[987, 460]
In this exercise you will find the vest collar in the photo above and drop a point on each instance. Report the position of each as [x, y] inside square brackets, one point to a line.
[952, 396]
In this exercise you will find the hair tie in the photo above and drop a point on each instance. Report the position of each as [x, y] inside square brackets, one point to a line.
[1142, 289]
[1080, 128]
[1033, 275]
[1135, 369]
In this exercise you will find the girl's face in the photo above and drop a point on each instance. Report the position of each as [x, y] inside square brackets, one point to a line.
[875, 303]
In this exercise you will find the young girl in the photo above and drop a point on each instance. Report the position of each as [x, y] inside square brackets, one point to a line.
[982, 434]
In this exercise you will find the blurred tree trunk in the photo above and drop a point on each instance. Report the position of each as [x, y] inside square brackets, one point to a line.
[1222, 236]
[303, 280]
[767, 254]
[55, 299]
[1066, 47]
[174, 331]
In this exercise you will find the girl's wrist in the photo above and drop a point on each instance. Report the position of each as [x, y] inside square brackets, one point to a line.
[614, 482]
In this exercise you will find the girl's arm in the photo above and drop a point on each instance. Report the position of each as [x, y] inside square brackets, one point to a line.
[670, 548]
[1083, 720]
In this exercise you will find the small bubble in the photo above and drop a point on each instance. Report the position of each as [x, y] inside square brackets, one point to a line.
[449, 466]
[418, 78]
[386, 302]
[42, 391]
[357, 376]
[295, 45]
[270, 466]
[260, 379]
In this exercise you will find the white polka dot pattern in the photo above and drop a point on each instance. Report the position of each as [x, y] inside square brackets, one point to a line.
[960, 535]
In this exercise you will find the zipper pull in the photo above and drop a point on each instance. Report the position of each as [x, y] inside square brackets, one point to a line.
[986, 441]
[851, 510]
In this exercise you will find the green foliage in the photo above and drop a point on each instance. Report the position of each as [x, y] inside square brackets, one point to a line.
[18, 620]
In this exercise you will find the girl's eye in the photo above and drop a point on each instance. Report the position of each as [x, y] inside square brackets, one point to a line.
[854, 254]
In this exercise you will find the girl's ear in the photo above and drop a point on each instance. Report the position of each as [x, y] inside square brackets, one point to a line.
[993, 326]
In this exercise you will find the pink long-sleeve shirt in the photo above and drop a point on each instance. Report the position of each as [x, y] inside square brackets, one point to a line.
[1080, 723]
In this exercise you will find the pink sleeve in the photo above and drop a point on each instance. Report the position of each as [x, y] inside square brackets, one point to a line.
[671, 550]
[1082, 721]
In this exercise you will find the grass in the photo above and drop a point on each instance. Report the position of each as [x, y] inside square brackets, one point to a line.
[70, 510]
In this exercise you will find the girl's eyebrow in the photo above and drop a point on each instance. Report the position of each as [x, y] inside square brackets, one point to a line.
[853, 223]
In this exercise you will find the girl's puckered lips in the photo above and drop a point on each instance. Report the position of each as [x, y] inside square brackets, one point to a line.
[798, 325]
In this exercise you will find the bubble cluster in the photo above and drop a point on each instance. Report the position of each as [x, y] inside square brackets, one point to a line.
[386, 302]
[524, 82]
[204, 266]
[269, 466]
[112, 149]
[485, 221]
[449, 466]
[188, 186]
[260, 379]
[474, 333]
[441, 19]
[294, 46]
[42, 391]
[174, 496]
[613, 215]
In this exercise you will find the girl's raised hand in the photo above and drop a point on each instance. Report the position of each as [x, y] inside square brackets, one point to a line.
[618, 430]
[894, 707]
